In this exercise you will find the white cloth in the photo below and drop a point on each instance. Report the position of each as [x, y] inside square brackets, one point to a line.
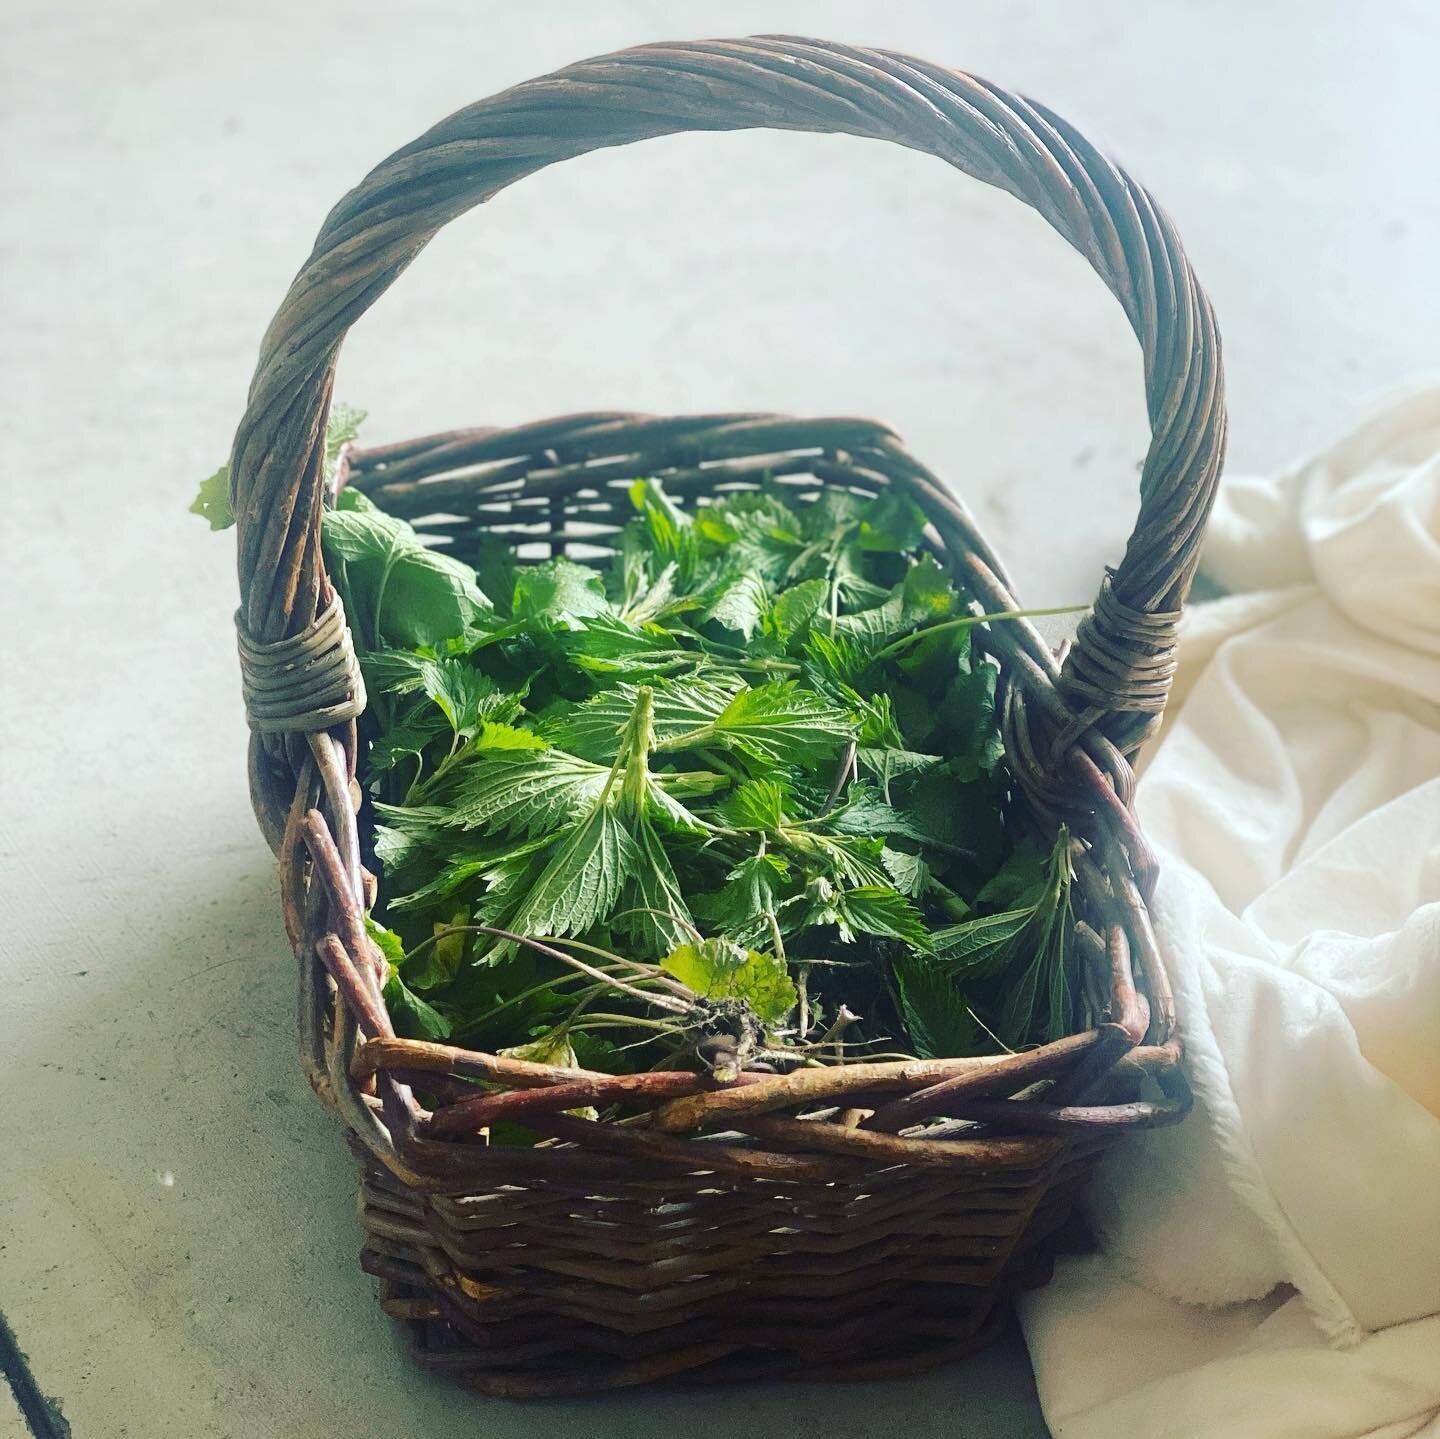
[1271, 1267]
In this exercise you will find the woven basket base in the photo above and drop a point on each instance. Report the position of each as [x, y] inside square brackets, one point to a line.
[528, 1293]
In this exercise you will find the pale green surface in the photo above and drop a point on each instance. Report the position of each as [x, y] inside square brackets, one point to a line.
[175, 1212]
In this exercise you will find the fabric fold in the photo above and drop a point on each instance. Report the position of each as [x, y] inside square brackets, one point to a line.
[1277, 1257]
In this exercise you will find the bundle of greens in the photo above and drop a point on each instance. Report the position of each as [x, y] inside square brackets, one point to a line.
[737, 800]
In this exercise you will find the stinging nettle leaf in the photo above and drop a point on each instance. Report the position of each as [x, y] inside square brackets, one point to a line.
[777, 723]
[737, 602]
[558, 589]
[939, 1021]
[582, 880]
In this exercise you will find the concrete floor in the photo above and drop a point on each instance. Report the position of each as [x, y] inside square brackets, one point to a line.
[177, 1244]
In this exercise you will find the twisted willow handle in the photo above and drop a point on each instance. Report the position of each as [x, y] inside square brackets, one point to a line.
[1118, 673]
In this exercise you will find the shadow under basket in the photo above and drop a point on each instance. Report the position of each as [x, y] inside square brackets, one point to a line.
[838, 1223]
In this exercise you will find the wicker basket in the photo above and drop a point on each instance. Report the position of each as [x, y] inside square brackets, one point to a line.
[831, 1223]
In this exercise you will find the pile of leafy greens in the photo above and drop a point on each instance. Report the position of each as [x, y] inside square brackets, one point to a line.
[736, 799]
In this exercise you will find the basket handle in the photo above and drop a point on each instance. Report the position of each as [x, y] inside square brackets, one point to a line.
[1118, 673]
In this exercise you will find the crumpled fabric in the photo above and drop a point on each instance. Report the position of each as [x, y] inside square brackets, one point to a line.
[1271, 1267]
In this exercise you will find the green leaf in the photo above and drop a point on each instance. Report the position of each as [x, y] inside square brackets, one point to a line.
[413, 1017]
[777, 723]
[458, 870]
[582, 881]
[927, 595]
[593, 1052]
[1021, 881]
[406, 739]
[722, 969]
[396, 591]
[607, 644]
[496, 566]
[558, 589]
[740, 910]
[407, 832]
[341, 429]
[981, 948]
[552, 1048]
[937, 1018]
[835, 661]
[525, 791]
[909, 872]
[592, 729]
[658, 917]
[889, 764]
[494, 735]
[463, 695]
[865, 812]
[754, 804]
[893, 524]
[968, 720]
[753, 530]
[794, 609]
[737, 602]
[212, 503]
[669, 530]
[883, 911]
[388, 942]
[429, 966]
[848, 859]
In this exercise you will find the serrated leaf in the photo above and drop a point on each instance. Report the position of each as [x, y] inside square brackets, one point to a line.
[387, 942]
[722, 969]
[737, 602]
[834, 662]
[883, 911]
[488, 861]
[754, 804]
[778, 723]
[406, 832]
[593, 729]
[672, 537]
[341, 428]
[608, 644]
[893, 524]
[494, 735]
[910, 873]
[464, 696]
[937, 1018]
[866, 812]
[752, 530]
[524, 791]
[581, 881]
[406, 738]
[659, 917]
[887, 764]
[740, 910]
[981, 948]
[397, 592]
[850, 859]
[793, 610]
[558, 589]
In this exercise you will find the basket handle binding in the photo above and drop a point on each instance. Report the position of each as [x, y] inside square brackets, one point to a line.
[1117, 674]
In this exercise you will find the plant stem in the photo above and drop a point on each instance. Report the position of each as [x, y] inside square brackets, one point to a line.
[965, 622]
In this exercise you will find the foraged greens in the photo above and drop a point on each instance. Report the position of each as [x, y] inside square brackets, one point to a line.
[737, 800]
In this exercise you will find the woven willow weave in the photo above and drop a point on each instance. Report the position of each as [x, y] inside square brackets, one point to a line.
[831, 1223]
